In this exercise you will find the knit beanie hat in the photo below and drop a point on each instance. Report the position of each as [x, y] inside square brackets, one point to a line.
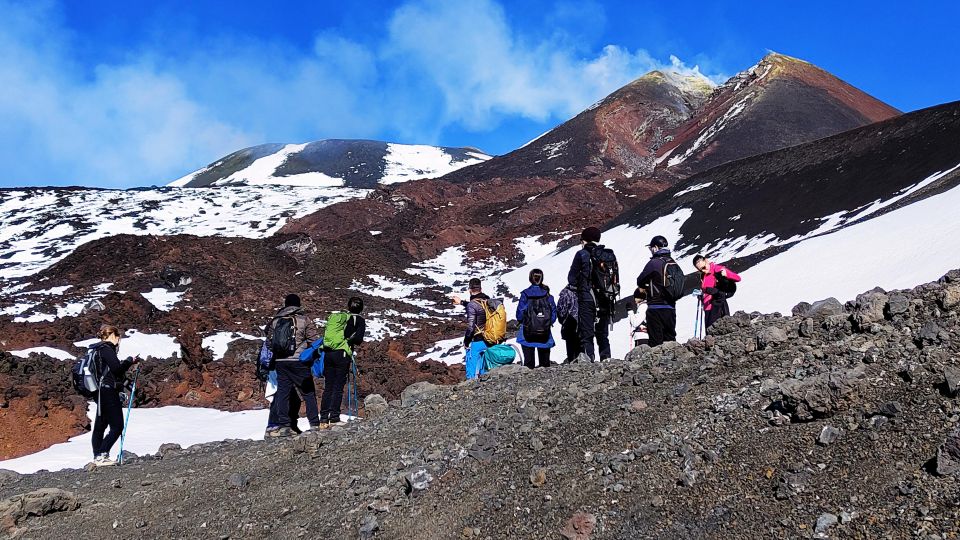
[590, 234]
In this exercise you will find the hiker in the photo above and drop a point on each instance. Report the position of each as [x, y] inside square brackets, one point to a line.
[343, 333]
[717, 283]
[652, 287]
[536, 312]
[567, 314]
[595, 276]
[109, 404]
[288, 334]
[473, 338]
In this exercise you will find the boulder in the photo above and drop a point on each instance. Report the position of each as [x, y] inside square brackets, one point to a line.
[175, 278]
[868, 308]
[821, 395]
[375, 405]
[418, 392]
[35, 504]
[770, 336]
[825, 308]
[301, 247]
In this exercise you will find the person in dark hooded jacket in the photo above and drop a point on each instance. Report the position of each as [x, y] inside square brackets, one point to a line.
[476, 321]
[661, 310]
[109, 403]
[593, 313]
[293, 375]
[532, 343]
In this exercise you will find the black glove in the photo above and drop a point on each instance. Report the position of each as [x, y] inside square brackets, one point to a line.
[711, 290]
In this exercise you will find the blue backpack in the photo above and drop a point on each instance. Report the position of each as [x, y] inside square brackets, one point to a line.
[313, 356]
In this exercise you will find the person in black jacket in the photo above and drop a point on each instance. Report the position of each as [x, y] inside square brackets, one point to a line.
[337, 364]
[109, 404]
[593, 314]
[661, 310]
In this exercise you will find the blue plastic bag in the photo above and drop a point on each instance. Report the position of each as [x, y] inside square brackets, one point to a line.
[317, 368]
[498, 355]
[309, 355]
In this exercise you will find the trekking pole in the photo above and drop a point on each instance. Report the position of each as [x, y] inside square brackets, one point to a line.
[126, 422]
[696, 320]
[355, 411]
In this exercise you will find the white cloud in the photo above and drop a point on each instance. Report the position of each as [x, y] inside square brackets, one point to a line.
[157, 114]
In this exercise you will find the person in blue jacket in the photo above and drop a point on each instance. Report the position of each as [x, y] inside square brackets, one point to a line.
[537, 311]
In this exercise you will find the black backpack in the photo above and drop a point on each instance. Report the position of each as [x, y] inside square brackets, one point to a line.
[87, 375]
[673, 280]
[726, 286]
[605, 275]
[537, 319]
[283, 342]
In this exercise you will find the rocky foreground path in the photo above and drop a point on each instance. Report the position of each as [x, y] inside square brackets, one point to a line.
[837, 421]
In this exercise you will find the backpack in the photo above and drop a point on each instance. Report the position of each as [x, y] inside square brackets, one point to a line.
[498, 355]
[726, 286]
[334, 336]
[87, 374]
[537, 319]
[605, 275]
[265, 363]
[673, 280]
[567, 305]
[283, 342]
[495, 328]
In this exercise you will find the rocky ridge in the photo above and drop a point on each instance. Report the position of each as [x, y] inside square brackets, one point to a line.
[838, 420]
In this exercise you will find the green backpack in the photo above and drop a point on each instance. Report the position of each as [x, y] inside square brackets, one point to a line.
[333, 336]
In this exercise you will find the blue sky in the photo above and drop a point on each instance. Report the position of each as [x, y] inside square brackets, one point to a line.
[122, 94]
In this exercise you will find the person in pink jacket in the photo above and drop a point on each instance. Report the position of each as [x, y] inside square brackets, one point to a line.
[717, 284]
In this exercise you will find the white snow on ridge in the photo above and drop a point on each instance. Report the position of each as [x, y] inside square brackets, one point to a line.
[710, 131]
[263, 171]
[41, 226]
[405, 162]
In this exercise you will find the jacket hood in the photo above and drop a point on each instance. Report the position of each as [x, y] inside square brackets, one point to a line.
[290, 310]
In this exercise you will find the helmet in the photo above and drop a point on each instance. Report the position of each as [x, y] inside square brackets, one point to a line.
[659, 242]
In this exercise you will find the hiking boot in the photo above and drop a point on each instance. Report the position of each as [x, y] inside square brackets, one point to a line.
[104, 460]
[280, 432]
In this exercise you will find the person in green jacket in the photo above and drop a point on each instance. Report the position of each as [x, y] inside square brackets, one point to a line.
[344, 332]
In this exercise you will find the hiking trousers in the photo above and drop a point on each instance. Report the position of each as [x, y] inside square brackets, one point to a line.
[587, 325]
[661, 325]
[109, 414]
[568, 331]
[530, 354]
[473, 363]
[336, 368]
[718, 308]
[292, 376]
[293, 410]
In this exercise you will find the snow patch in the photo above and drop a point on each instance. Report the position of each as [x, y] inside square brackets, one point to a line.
[406, 162]
[135, 343]
[49, 351]
[162, 299]
[693, 188]
[220, 342]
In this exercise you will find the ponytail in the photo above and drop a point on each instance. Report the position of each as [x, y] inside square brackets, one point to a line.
[108, 330]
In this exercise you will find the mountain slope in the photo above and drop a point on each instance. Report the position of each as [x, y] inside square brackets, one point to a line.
[830, 217]
[779, 102]
[619, 135]
[711, 439]
[332, 162]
